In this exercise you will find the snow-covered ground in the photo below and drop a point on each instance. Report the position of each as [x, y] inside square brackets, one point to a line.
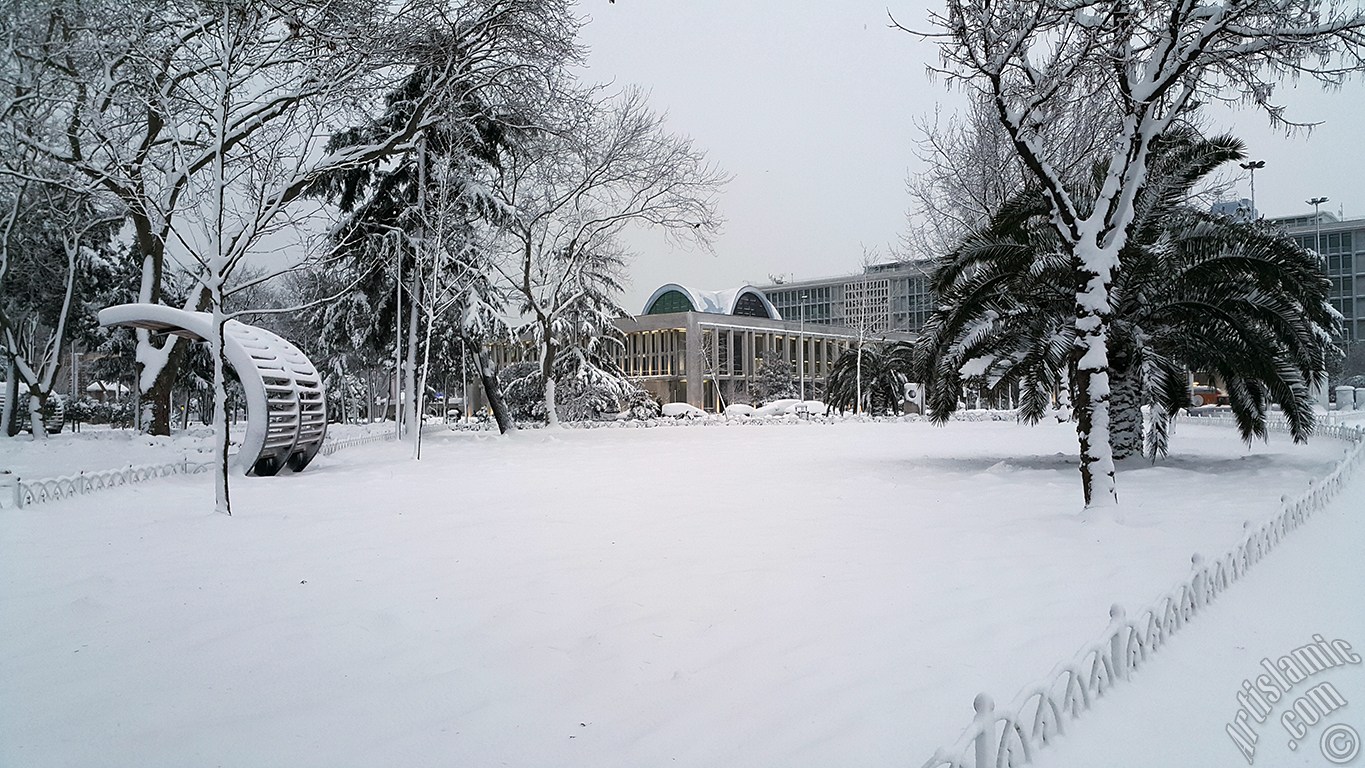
[98, 447]
[1178, 708]
[1311, 585]
[742, 596]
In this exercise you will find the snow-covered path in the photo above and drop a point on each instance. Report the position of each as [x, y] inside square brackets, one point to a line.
[748, 596]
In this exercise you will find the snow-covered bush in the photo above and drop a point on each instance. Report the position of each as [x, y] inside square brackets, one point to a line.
[775, 380]
[580, 400]
[640, 404]
[88, 410]
[576, 398]
[523, 388]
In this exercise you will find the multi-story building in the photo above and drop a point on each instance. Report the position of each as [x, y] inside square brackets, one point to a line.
[1341, 243]
[894, 296]
[706, 347]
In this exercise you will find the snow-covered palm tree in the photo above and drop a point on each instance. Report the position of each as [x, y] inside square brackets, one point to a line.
[885, 370]
[1196, 292]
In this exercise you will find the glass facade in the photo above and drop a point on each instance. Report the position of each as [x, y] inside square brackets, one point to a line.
[672, 301]
[1341, 244]
[654, 353]
[893, 297]
[750, 305]
[815, 304]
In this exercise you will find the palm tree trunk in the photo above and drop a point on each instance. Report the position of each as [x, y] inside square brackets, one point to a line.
[1094, 275]
[1125, 436]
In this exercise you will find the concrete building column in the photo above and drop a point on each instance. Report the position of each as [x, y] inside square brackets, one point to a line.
[696, 372]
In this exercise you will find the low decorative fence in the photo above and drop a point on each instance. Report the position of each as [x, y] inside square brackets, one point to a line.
[18, 492]
[23, 493]
[332, 446]
[1012, 736]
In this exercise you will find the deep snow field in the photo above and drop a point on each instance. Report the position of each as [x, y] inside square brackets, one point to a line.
[787, 595]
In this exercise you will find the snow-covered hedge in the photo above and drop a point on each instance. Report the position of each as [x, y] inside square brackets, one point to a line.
[738, 419]
[88, 410]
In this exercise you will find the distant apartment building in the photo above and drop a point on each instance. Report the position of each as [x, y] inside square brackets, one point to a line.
[1341, 244]
[889, 297]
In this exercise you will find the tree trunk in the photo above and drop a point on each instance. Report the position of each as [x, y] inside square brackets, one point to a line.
[411, 418]
[858, 406]
[551, 415]
[36, 399]
[9, 425]
[492, 390]
[547, 367]
[422, 386]
[1126, 435]
[155, 401]
[1092, 381]
[222, 497]
[369, 395]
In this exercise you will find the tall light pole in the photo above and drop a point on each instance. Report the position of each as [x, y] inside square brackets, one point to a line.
[801, 350]
[1317, 230]
[1253, 166]
[464, 385]
[1317, 246]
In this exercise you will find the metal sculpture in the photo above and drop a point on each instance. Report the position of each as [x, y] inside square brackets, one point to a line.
[286, 404]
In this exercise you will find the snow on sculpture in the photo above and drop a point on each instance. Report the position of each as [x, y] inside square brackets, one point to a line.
[286, 404]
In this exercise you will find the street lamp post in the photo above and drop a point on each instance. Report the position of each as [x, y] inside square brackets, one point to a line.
[1253, 166]
[801, 350]
[1317, 230]
[464, 385]
[1317, 246]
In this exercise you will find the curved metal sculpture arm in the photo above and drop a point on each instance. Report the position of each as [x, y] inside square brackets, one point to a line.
[286, 404]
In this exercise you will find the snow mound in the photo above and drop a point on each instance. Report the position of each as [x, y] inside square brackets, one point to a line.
[683, 411]
[777, 408]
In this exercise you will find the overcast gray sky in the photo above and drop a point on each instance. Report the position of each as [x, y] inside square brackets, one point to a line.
[810, 107]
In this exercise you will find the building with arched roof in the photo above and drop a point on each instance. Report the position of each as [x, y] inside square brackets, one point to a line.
[745, 301]
[706, 347]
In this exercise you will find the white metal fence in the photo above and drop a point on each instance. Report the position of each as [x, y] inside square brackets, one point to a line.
[18, 492]
[1012, 735]
[332, 446]
[23, 493]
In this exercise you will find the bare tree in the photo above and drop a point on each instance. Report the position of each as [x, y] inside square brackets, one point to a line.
[50, 232]
[593, 167]
[258, 168]
[970, 168]
[1038, 61]
[124, 83]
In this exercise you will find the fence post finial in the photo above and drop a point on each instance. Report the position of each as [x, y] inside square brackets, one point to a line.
[1197, 564]
[1118, 641]
[9, 481]
[985, 729]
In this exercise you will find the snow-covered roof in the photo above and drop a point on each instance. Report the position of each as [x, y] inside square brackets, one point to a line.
[714, 302]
